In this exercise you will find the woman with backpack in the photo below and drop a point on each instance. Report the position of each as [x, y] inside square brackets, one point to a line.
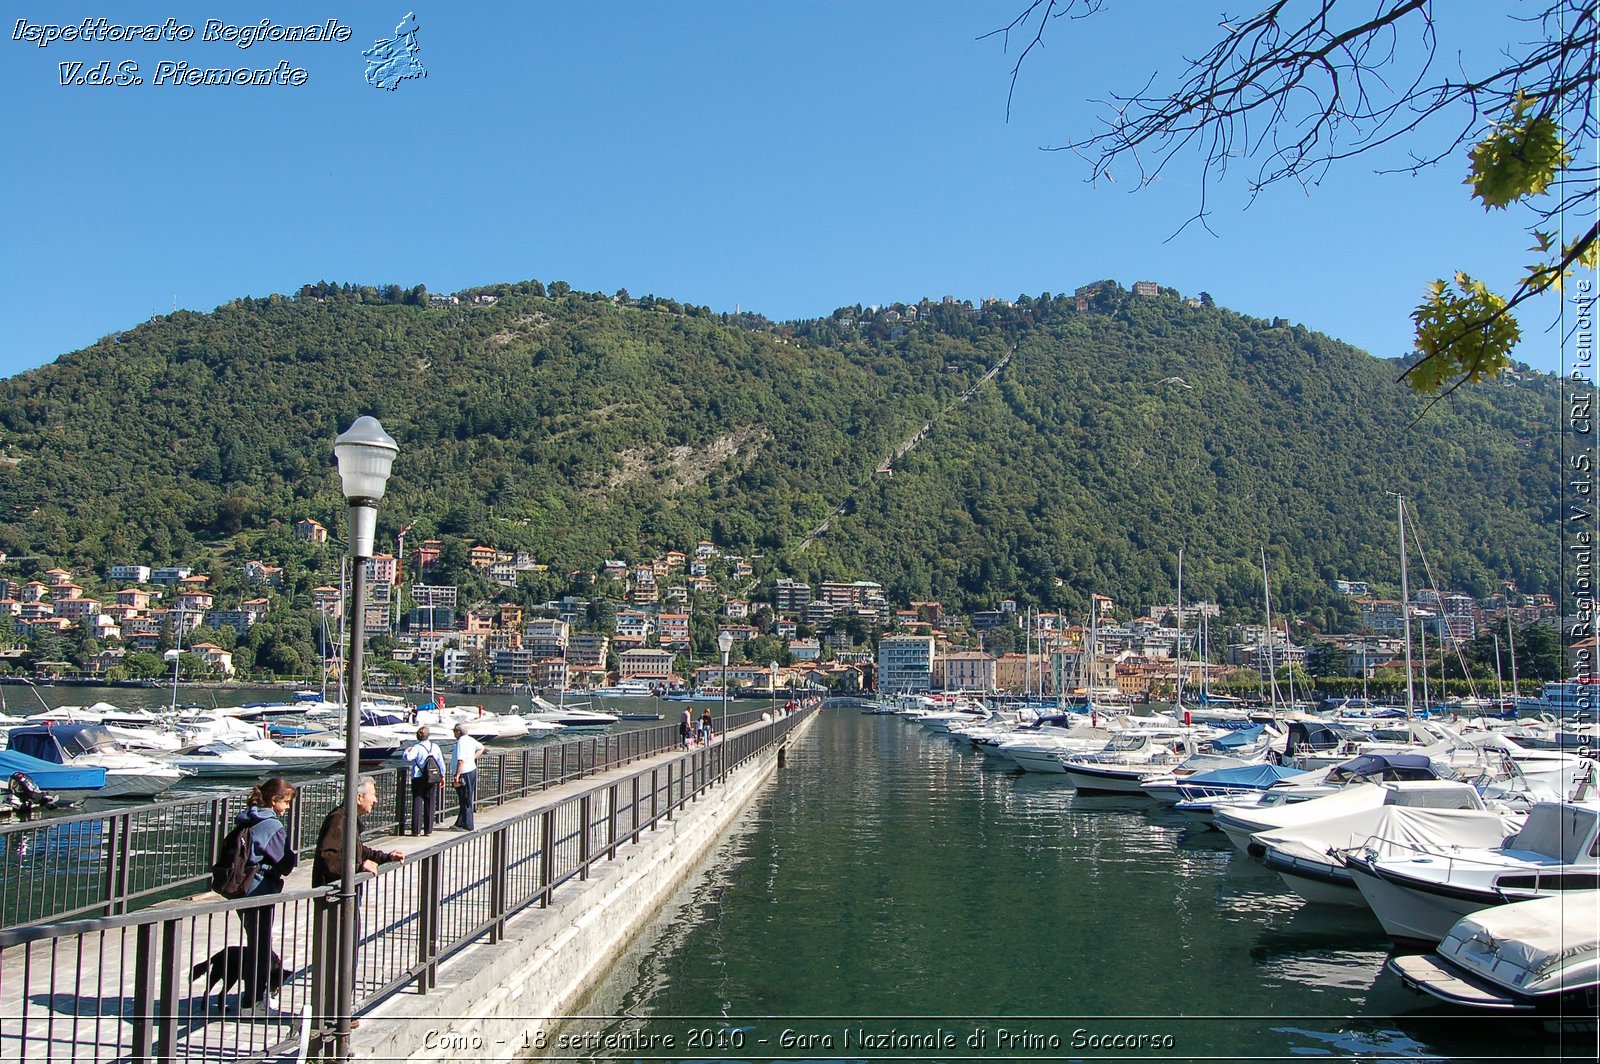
[427, 776]
[271, 858]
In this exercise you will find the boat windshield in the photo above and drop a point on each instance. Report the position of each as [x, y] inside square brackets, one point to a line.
[90, 740]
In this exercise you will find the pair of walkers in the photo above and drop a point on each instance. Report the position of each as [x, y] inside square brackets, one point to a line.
[272, 859]
[426, 779]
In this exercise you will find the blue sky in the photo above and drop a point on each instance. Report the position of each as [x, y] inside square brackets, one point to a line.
[784, 157]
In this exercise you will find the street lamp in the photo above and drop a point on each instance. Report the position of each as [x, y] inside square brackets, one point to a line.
[365, 454]
[725, 644]
[772, 687]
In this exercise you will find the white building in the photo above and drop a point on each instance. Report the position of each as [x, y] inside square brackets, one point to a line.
[905, 663]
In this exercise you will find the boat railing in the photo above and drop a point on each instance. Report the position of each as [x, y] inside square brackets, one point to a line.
[109, 862]
[414, 916]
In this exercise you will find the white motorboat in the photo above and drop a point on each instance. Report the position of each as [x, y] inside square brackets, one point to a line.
[481, 724]
[1310, 858]
[128, 774]
[223, 759]
[1239, 823]
[136, 729]
[1418, 896]
[1268, 810]
[1121, 765]
[569, 717]
[1540, 956]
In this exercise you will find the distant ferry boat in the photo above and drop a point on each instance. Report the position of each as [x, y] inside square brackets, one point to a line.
[627, 689]
[1565, 698]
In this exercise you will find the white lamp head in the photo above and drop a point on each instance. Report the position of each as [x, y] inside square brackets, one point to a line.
[365, 454]
[725, 641]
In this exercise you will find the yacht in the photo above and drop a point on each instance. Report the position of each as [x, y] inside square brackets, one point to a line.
[569, 717]
[1419, 896]
[221, 760]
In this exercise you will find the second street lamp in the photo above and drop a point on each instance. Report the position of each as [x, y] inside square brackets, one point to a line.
[365, 454]
[724, 644]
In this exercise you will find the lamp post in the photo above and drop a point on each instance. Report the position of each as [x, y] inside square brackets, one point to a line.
[724, 644]
[365, 454]
[772, 688]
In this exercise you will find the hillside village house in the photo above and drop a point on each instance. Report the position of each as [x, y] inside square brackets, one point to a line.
[310, 530]
[217, 660]
[646, 664]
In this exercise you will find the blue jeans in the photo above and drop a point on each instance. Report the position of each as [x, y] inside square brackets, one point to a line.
[467, 797]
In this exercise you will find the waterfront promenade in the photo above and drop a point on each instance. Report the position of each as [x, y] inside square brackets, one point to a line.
[118, 988]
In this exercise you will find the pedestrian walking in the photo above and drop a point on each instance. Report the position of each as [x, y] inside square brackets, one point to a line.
[466, 776]
[705, 726]
[427, 776]
[686, 727]
[272, 858]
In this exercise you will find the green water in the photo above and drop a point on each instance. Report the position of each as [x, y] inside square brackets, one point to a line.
[893, 896]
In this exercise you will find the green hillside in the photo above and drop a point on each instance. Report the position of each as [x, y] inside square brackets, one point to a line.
[582, 427]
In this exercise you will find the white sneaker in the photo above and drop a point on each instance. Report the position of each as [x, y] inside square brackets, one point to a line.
[270, 1003]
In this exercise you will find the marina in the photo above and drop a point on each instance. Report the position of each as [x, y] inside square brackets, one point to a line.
[893, 883]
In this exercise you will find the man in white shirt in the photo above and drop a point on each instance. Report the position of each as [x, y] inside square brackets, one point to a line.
[424, 792]
[467, 750]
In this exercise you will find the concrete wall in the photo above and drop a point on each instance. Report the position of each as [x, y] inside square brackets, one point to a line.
[492, 1002]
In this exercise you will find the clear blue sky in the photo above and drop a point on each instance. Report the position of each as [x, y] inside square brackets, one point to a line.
[785, 157]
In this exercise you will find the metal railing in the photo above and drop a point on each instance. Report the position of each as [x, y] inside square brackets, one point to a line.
[127, 987]
[108, 863]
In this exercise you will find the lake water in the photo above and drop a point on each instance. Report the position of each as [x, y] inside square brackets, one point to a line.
[892, 895]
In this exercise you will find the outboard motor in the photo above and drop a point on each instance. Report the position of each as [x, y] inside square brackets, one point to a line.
[27, 795]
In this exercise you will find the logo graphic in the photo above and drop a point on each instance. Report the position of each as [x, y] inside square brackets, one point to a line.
[393, 61]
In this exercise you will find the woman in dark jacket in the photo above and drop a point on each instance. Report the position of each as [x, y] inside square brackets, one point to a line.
[272, 858]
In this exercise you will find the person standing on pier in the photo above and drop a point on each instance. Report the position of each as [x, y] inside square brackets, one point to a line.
[426, 779]
[686, 727]
[272, 858]
[466, 776]
[705, 727]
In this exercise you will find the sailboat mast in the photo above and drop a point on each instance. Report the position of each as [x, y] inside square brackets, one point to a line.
[1178, 646]
[1405, 606]
[1272, 654]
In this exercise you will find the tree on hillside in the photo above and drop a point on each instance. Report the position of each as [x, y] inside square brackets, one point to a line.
[1303, 85]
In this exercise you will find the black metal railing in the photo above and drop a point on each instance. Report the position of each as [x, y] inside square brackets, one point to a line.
[129, 986]
[109, 863]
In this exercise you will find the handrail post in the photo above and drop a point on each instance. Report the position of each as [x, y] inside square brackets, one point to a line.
[428, 924]
[636, 809]
[547, 846]
[611, 823]
[586, 827]
[146, 971]
[499, 846]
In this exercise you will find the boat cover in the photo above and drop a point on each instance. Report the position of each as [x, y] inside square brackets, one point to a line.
[1391, 831]
[1557, 829]
[1262, 775]
[1515, 944]
[1239, 737]
[49, 775]
[1384, 767]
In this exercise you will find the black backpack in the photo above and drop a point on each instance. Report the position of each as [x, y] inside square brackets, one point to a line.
[232, 874]
[432, 771]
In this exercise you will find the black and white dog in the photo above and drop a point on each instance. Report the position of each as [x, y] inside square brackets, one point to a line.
[225, 967]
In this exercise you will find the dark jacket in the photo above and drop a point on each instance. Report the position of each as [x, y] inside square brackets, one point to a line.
[329, 865]
[269, 846]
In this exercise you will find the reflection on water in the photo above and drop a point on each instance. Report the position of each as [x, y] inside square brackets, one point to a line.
[891, 877]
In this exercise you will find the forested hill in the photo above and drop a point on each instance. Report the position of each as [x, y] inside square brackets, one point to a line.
[582, 427]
